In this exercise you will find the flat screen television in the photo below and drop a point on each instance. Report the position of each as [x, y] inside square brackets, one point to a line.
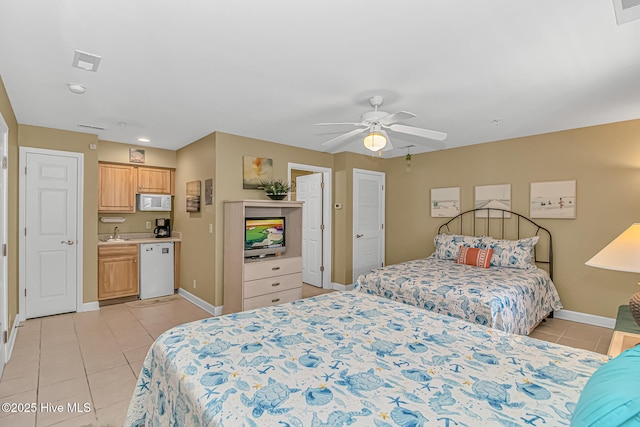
[264, 236]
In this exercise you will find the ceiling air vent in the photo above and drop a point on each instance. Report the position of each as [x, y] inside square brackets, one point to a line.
[85, 61]
[90, 127]
[626, 10]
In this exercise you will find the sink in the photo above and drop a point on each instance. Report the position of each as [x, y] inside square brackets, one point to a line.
[114, 240]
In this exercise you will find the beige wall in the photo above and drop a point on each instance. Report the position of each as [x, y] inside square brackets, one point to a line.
[196, 162]
[12, 239]
[116, 152]
[39, 137]
[228, 151]
[119, 153]
[228, 185]
[605, 162]
[219, 156]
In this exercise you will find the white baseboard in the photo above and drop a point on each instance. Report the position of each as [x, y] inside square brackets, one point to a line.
[341, 287]
[209, 308]
[12, 339]
[89, 306]
[589, 319]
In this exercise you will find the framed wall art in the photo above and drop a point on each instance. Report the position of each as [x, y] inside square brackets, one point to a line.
[254, 170]
[445, 202]
[555, 199]
[193, 196]
[136, 155]
[208, 191]
[495, 197]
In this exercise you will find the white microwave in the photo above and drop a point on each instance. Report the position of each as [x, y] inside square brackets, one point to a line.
[153, 202]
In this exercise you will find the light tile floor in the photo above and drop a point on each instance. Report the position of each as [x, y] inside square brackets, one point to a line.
[93, 358]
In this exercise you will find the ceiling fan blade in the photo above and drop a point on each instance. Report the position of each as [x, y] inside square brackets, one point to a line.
[344, 137]
[424, 133]
[396, 117]
[332, 124]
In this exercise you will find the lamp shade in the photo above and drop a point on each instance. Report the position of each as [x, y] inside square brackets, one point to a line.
[622, 254]
[375, 141]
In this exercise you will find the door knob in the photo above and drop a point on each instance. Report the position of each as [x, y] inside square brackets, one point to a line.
[359, 236]
[68, 242]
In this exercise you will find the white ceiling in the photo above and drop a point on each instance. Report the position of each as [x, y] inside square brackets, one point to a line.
[175, 71]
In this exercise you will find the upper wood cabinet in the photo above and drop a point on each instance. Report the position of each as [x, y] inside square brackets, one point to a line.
[155, 180]
[116, 188]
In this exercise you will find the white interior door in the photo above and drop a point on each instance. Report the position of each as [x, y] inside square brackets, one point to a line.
[368, 221]
[51, 233]
[309, 190]
[4, 325]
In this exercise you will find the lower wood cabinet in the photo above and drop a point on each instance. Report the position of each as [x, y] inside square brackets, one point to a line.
[118, 271]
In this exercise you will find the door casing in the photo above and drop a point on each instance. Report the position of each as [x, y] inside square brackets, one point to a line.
[4, 218]
[327, 215]
[23, 221]
[381, 250]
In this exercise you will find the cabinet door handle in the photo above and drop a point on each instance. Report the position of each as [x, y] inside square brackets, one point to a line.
[275, 300]
[275, 284]
[275, 268]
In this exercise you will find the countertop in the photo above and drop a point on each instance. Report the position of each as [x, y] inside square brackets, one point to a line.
[138, 238]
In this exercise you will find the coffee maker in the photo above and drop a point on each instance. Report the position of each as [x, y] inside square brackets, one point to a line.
[163, 227]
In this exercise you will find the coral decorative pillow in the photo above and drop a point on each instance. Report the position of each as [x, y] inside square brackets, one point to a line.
[475, 256]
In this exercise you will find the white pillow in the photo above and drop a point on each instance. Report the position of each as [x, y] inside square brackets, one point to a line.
[511, 253]
[448, 245]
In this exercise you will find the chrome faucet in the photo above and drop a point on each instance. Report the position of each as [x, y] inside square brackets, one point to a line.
[116, 230]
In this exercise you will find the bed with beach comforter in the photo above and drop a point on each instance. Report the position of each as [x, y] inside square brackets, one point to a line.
[510, 299]
[350, 358]
[504, 282]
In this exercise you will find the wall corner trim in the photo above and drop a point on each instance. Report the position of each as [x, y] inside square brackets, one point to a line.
[341, 287]
[89, 306]
[589, 319]
[209, 308]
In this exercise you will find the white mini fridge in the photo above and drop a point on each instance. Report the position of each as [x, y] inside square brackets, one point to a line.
[156, 269]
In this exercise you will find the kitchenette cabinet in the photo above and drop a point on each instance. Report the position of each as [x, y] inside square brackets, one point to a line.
[116, 188]
[155, 180]
[118, 271]
[118, 185]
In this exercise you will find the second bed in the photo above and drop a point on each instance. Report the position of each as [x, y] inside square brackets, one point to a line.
[513, 295]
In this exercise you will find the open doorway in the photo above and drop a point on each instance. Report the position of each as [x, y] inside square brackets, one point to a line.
[312, 184]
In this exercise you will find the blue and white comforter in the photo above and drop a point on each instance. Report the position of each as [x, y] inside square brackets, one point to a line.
[348, 358]
[512, 300]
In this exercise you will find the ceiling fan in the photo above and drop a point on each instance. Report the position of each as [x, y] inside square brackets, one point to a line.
[377, 122]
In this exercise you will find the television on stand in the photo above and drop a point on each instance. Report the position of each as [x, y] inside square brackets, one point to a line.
[264, 236]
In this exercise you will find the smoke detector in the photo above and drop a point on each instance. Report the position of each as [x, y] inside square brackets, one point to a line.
[76, 88]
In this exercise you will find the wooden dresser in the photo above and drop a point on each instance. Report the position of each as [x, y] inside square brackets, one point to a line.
[260, 282]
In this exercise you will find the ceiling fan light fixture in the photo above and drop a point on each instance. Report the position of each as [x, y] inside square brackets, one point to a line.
[375, 141]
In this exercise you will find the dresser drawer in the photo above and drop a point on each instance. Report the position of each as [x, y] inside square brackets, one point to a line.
[273, 267]
[272, 299]
[254, 288]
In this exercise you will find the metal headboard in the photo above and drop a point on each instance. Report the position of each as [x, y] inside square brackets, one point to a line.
[499, 220]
